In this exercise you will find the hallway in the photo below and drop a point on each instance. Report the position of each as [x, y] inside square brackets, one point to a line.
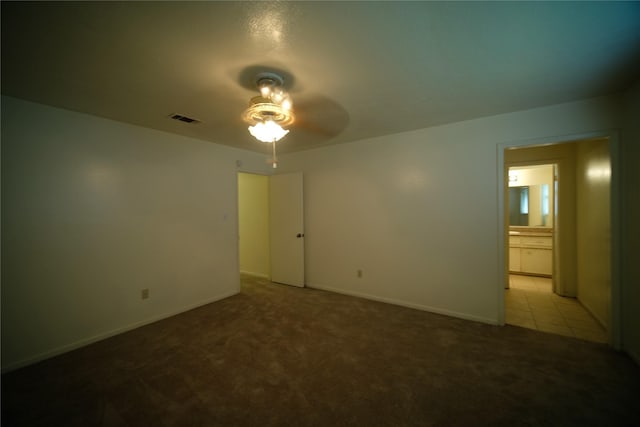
[530, 303]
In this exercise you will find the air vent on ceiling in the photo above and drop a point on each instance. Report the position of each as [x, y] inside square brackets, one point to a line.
[184, 118]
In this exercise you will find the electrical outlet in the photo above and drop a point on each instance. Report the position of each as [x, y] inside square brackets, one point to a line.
[144, 294]
[359, 273]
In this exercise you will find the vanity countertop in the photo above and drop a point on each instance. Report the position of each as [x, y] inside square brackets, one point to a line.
[531, 231]
[530, 234]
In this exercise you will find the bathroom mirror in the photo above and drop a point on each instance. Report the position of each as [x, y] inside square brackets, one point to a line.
[529, 206]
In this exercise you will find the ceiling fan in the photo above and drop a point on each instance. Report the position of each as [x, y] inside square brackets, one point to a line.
[271, 113]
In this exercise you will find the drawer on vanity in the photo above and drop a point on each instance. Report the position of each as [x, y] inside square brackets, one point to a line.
[536, 241]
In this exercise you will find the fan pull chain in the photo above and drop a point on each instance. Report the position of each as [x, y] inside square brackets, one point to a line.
[275, 160]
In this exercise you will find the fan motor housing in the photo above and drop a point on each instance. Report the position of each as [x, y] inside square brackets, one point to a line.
[262, 109]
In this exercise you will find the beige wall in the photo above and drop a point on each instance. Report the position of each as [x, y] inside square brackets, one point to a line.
[593, 225]
[535, 176]
[93, 212]
[253, 210]
[541, 174]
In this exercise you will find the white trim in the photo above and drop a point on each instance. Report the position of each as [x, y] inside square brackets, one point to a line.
[405, 304]
[502, 226]
[84, 342]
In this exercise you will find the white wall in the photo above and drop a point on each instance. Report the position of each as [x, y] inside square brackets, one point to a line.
[418, 212]
[630, 198]
[93, 211]
[593, 225]
[253, 206]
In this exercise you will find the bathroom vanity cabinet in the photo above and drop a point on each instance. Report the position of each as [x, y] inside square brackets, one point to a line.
[531, 253]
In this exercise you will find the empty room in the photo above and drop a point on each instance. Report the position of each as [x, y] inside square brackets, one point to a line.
[320, 213]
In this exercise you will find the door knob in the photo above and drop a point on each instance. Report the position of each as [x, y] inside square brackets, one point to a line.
[299, 235]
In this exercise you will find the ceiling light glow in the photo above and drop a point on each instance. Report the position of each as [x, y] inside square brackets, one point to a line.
[268, 131]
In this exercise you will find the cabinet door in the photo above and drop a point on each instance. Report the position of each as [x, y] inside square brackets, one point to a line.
[514, 259]
[536, 261]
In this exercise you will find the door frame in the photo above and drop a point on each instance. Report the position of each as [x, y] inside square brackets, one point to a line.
[615, 333]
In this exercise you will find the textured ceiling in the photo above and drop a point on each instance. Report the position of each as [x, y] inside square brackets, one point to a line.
[354, 69]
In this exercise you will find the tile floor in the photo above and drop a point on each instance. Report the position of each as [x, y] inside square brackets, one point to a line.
[530, 303]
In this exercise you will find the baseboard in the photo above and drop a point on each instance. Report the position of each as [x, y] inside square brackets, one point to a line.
[592, 313]
[251, 273]
[401, 303]
[633, 355]
[84, 342]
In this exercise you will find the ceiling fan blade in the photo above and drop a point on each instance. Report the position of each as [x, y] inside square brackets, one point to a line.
[320, 115]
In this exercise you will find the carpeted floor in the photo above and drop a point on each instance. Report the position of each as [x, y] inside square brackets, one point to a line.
[282, 356]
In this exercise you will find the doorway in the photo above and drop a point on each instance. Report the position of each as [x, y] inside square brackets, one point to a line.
[578, 302]
[532, 200]
[253, 225]
[271, 227]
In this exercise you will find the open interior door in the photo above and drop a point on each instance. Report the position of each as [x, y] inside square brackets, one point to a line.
[287, 229]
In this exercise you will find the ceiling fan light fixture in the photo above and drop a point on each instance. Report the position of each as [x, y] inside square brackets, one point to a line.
[269, 111]
[263, 109]
[273, 103]
[286, 103]
[277, 96]
[268, 131]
